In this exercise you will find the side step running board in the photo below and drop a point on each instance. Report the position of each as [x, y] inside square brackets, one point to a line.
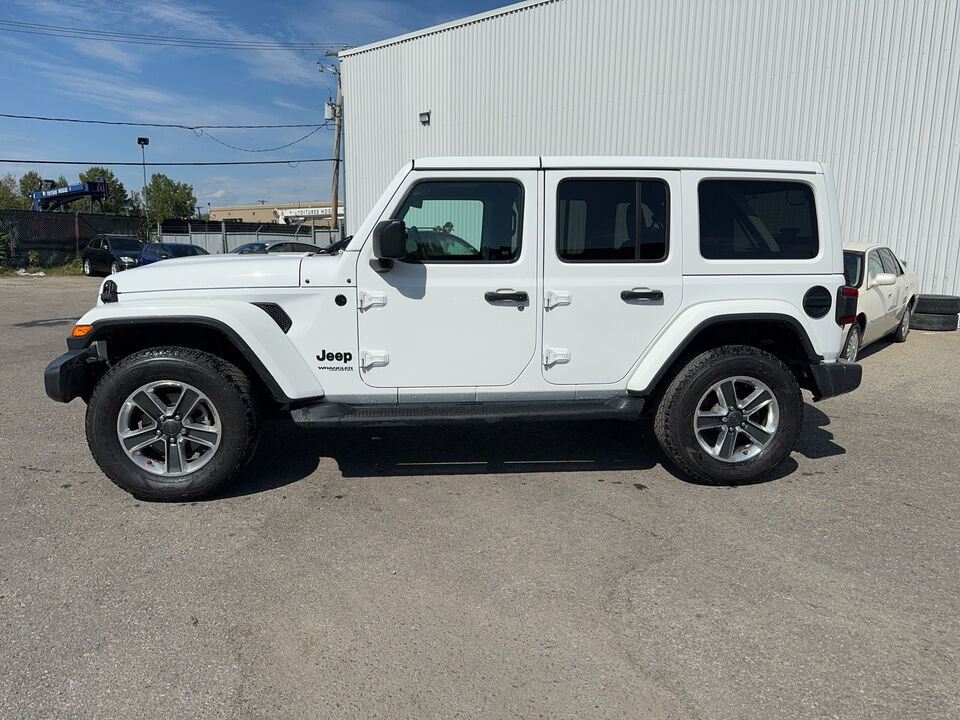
[625, 408]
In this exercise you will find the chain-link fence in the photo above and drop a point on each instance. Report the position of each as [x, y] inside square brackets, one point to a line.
[222, 237]
[55, 238]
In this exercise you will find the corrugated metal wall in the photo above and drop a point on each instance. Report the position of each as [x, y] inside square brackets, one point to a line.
[870, 87]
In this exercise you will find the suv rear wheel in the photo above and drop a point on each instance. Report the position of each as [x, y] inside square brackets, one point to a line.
[172, 423]
[731, 415]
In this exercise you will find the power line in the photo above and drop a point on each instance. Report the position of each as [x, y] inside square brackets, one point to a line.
[291, 163]
[163, 40]
[278, 147]
[158, 125]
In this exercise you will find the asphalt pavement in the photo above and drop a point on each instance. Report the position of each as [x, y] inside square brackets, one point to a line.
[484, 571]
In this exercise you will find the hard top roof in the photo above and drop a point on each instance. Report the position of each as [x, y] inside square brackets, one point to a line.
[613, 162]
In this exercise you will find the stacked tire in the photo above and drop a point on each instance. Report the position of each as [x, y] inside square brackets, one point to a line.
[936, 312]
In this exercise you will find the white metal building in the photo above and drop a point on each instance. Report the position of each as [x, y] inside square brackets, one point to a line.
[870, 87]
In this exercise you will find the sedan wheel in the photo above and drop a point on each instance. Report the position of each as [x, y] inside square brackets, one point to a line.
[87, 269]
[114, 268]
[852, 346]
[903, 328]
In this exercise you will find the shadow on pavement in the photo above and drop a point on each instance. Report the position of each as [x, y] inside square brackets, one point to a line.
[288, 453]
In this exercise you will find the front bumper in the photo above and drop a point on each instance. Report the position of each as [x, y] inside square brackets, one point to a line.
[71, 375]
[835, 378]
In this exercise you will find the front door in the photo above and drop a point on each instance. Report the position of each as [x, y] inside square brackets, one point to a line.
[460, 310]
[612, 271]
[877, 302]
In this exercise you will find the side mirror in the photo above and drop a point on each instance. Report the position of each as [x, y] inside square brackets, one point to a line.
[390, 240]
[885, 279]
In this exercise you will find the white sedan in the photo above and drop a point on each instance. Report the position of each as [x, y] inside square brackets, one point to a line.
[888, 294]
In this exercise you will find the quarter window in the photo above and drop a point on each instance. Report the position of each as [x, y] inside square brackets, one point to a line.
[757, 220]
[463, 221]
[612, 220]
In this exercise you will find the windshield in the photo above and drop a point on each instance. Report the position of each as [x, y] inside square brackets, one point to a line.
[125, 243]
[853, 267]
[185, 250]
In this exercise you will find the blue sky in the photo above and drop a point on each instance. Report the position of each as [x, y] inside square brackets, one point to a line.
[60, 77]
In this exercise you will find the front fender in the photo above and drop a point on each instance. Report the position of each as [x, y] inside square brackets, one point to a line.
[685, 326]
[251, 330]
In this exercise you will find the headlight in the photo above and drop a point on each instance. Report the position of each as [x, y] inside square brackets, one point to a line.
[128, 259]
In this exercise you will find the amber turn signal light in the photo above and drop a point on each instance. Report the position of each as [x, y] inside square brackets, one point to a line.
[81, 330]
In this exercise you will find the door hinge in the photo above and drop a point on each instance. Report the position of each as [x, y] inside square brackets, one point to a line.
[373, 358]
[555, 356]
[366, 300]
[553, 298]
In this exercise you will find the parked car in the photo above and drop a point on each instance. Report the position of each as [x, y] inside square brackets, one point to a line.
[704, 292]
[276, 246]
[888, 295]
[109, 254]
[155, 252]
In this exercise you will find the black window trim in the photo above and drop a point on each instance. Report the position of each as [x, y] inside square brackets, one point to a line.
[618, 178]
[758, 178]
[523, 207]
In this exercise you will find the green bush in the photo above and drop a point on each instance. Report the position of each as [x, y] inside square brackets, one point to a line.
[33, 258]
[4, 250]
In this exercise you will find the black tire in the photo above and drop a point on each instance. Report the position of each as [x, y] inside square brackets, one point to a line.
[903, 328]
[87, 267]
[225, 387]
[924, 321]
[678, 409]
[851, 348]
[114, 267]
[938, 305]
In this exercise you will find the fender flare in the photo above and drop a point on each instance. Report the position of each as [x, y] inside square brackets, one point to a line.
[294, 387]
[638, 385]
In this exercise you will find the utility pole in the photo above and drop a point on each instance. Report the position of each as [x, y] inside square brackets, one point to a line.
[143, 142]
[338, 124]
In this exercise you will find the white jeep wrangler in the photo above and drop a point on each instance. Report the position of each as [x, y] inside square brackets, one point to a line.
[705, 291]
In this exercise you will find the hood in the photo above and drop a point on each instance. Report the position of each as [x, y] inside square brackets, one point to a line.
[212, 272]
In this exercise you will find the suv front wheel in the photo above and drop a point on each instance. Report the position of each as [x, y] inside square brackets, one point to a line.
[731, 415]
[172, 423]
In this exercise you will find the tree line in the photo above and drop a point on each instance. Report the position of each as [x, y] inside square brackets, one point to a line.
[166, 199]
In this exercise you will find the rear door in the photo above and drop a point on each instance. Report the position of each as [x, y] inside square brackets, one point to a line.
[612, 275]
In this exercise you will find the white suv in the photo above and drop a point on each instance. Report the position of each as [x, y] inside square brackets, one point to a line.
[707, 292]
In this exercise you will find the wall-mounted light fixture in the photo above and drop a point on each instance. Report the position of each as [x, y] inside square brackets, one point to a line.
[425, 118]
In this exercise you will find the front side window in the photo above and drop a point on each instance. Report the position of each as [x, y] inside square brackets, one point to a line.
[889, 261]
[607, 220]
[757, 220]
[874, 266]
[463, 221]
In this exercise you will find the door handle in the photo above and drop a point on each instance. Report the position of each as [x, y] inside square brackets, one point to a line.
[641, 295]
[518, 296]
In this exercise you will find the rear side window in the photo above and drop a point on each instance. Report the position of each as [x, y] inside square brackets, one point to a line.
[757, 220]
[612, 220]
